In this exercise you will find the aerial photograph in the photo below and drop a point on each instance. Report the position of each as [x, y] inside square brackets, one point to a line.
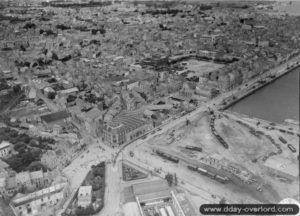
[149, 107]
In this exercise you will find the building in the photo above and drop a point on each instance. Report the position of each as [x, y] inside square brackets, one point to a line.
[33, 204]
[156, 197]
[2, 185]
[124, 128]
[23, 180]
[39, 179]
[32, 180]
[69, 91]
[5, 149]
[188, 90]
[57, 117]
[11, 186]
[132, 84]
[84, 196]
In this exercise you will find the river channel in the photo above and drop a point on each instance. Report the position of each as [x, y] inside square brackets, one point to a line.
[275, 102]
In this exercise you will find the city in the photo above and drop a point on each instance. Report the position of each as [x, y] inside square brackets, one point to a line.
[147, 108]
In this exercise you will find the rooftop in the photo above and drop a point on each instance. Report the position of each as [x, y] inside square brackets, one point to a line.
[2, 182]
[52, 117]
[125, 122]
[22, 199]
[36, 174]
[85, 191]
[23, 177]
[4, 144]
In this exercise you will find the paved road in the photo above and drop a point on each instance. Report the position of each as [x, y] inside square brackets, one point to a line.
[77, 170]
[215, 103]
[112, 196]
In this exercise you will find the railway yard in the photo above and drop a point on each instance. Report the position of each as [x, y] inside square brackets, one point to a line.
[210, 150]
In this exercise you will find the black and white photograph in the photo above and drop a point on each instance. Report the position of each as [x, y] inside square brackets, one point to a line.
[149, 107]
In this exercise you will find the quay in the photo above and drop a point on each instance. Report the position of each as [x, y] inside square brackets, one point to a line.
[259, 82]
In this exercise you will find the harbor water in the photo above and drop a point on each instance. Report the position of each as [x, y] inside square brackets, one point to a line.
[290, 7]
[275, 102]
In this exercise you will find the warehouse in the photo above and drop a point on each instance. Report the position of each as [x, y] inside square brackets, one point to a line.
[156, 198]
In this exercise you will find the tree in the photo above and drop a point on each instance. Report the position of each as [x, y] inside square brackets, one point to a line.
[187, 122]
[169, 178]
[36, 165]
[51, 95]
[222, 201]
[97, 183]
[17, 88]
[89, 210]
[98, 171]
[19, 145]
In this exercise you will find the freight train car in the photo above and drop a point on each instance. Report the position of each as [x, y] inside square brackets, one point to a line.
[282, 140]
[292, 148]
[222, 141]
[193, 168]
[221, 179]
[167, 156]
[203, 171]
[211, 175]
[194, 148]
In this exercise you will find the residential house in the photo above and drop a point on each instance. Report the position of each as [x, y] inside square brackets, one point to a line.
[5, 149]
[2, 185]
[36, 203]
[38, 180]
[188, 90]
[132, 84]
[84, 196]
[23, 180]
[33, 180]
[70, 91]
[11, 186]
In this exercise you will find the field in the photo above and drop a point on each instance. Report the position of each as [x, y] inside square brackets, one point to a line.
[129, 173]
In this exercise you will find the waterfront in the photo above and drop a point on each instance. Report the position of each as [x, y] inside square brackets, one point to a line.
[275, 102]
[291, 9]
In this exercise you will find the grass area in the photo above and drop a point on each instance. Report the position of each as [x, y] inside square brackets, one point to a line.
[95, 178]
[129, 173]
[10, 100]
